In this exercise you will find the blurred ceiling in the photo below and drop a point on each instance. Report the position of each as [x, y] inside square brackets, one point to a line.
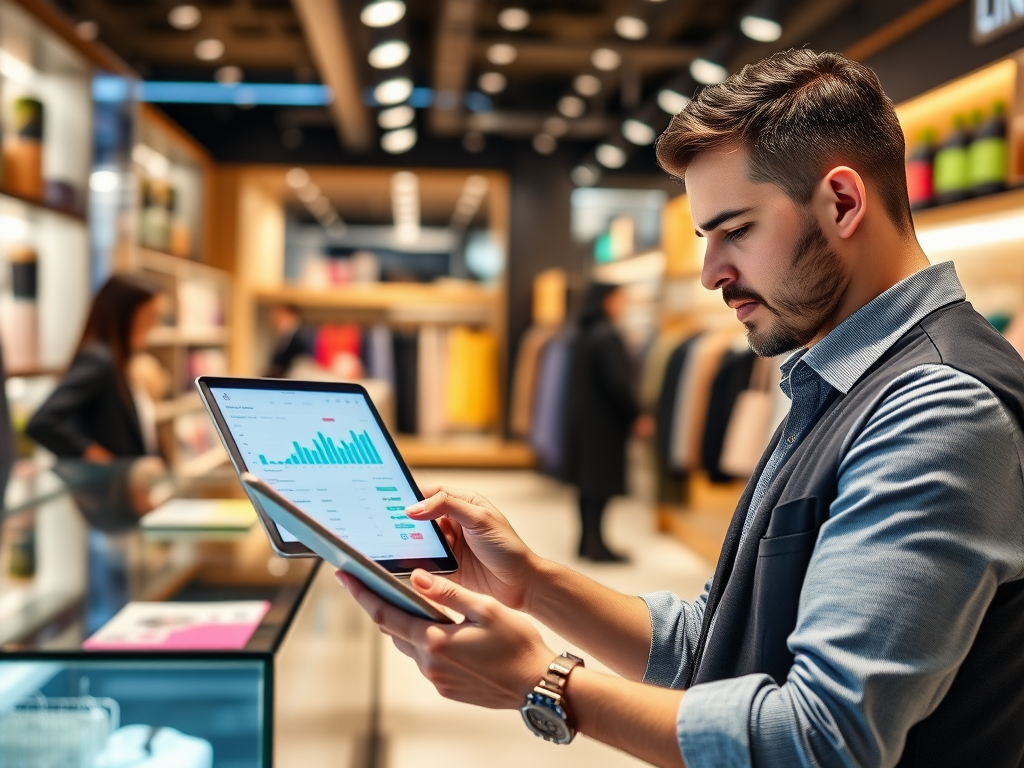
[602, 75]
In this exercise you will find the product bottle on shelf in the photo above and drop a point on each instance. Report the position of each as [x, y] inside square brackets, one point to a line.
[23, 149]
[919, 171]
[988, 156]
[952, 179]
[20, 322]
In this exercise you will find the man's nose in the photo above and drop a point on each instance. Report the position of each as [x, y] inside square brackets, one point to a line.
[717, 272]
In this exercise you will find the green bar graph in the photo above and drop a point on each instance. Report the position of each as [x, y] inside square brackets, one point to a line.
[323, 450]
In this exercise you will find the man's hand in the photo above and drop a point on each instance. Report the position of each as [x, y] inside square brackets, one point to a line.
[492, 659]
[493, 560]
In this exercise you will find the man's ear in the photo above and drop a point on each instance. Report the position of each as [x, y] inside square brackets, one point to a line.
[843, 200]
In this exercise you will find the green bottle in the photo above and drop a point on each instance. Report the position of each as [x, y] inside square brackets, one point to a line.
[988, 155]
[952, 178]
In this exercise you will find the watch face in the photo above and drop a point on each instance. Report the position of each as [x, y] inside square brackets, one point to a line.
[546, 720]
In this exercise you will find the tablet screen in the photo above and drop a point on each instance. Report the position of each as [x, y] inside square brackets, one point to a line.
[325, 453]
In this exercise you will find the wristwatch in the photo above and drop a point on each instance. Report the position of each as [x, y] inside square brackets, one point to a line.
[545, 711]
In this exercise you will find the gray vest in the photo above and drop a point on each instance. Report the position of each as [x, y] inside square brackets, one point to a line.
[755, 593]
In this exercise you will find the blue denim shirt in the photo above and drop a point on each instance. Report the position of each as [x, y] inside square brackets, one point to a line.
[889, 608]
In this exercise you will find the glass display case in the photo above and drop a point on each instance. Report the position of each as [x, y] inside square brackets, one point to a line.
[75, 551]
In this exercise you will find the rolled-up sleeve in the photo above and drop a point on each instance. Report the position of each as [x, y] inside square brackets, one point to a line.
[675, 630]
[926, 525]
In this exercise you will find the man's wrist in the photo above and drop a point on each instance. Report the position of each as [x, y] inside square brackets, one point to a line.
[539, 573]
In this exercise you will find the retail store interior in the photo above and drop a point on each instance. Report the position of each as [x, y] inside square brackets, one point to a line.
[415, 197]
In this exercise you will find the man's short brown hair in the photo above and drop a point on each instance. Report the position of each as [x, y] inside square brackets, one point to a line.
[799, 113]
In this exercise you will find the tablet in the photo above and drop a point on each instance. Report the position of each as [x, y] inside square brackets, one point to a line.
[339, 553]
[323, 447]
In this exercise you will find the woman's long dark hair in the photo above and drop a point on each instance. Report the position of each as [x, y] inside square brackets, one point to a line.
[110, 321]
[593, 303]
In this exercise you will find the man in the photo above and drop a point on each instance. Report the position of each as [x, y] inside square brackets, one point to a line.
[868, 607]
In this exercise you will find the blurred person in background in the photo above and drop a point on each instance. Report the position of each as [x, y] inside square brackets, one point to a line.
[292, 340]
[601, 409]
[99, 411]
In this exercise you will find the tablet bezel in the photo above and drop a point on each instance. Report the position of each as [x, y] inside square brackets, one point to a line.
[352, 561]
[398, 567]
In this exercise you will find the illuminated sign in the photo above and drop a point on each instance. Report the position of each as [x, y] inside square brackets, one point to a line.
[995, 18]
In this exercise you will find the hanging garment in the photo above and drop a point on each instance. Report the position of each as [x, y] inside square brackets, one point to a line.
[524, 382]
[546, 426]
[406, 345]
[472, 392]
[748, 433]
[652, 374]
[664, 412]
[334, 340]
[730, 381]
[432, 364]
[379, 354]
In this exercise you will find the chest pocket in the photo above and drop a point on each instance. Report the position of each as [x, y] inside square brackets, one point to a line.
[782, 558]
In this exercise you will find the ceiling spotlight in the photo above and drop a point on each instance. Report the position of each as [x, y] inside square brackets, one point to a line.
[571, 106]
[501, 54]
[393, 91]
[184, 17]
[762, 30]
[492, 82]
[209, 50]
[556, 126]
[587, 85]
[229, 75]
[514, 19]
[671, 101]
[382, 13]
[474, 142]
[707, 72]
[611, 156]
[388, 54]
[544, 143]
[397, 142]
[631, 28]
[296, 178]
[605, 59]
[638, 132]
[763, 21]
[585, 175]
[87, 30]
[396, 117]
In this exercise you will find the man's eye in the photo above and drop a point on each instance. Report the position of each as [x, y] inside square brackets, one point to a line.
[736, 234]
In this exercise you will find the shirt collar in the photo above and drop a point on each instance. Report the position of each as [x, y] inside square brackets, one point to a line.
[854, 345]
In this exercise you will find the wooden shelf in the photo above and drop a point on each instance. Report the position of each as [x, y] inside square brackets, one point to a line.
[1011, 201]
[178, 406]
[34, 373]
[166, 263]
[78, 216]
[465, 452]
[381, 296]
[172, 336]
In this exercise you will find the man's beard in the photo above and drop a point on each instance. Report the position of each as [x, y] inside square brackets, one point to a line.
[808, 296]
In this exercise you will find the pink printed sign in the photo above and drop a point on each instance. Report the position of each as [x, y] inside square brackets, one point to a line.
[225, 626]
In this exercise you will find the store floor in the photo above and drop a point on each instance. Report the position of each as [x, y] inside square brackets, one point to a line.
[419, 728]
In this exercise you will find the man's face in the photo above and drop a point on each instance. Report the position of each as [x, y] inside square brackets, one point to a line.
[768, 255]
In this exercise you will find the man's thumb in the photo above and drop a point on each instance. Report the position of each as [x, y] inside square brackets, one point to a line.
[449, 594]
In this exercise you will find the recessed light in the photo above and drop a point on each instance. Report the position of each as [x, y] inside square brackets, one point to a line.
[382, 13]
[587, 85]
[229, 75]
[638, 132]
[611, 156]
[396, 117]
[556, 126]
[296, 178]
[209, 50]
[544, 143]
[585, 175]
[571, 106]
[605, 59]
[631, 28]
[87, 30]
[393, 91]
[501, 54]
[389, 54]
[308, 193]
[492, 82]
[708, 72]
[397, 142]
[671, 101]
[761, 29]
[514, 19]
[184, 17]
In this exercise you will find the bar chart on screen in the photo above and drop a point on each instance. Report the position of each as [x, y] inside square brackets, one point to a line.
[358, 450]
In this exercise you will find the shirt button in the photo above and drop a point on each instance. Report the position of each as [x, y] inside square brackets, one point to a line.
[791, 439]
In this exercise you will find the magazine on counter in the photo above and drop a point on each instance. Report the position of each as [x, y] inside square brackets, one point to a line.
[180, 626]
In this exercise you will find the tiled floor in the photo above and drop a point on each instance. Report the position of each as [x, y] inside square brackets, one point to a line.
[422, 730]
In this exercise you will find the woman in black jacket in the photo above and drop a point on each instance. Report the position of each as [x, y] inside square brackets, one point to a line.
[601, 409]
[92, 414]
